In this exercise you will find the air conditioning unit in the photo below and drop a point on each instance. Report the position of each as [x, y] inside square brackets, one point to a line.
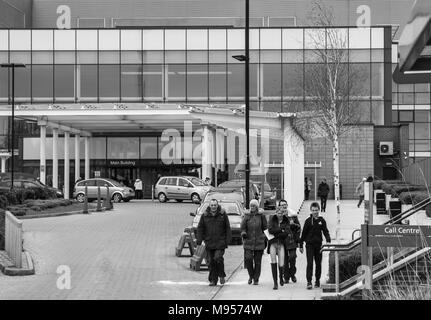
[386, 148]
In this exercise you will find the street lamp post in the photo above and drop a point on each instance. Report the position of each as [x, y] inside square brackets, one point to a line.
[246, 58]
[13, 66]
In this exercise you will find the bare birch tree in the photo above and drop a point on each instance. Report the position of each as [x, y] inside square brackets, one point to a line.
[331, 103]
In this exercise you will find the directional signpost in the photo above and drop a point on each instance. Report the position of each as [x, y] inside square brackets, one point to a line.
[389, 236]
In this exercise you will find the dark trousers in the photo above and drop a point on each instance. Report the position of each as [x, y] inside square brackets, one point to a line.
[361, 198]
[307, 194]
[138, 194]
[313, 253]
[323, 200]
[253, 263]
[215, 264]
[290, 263]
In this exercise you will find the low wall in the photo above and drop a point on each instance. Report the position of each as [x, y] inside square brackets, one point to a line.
[2, 229]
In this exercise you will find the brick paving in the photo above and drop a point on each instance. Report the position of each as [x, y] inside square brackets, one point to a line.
[123, 254]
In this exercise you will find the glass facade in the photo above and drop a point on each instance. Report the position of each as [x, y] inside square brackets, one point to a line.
[186, 65]
[411, 106]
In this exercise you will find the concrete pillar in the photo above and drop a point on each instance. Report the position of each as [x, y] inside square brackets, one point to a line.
[42, 175]
[3, 163]
[221, 150]
[293, 155]
[77, 159]
[206, 153]
[55, 158]
[66, 165]
[87, 157]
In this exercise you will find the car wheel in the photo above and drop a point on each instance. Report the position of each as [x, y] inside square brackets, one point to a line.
[179, 200]
[196, 198]
[162, 197]
[80, 198]
[117, 197]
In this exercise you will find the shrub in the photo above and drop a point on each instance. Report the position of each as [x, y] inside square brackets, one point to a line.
[421, 196]
[35, 208]
[398, 189]
[350, 261]
[377, 184]
[387, 188]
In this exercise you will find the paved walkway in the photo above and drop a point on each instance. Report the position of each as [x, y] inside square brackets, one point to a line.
[351, 219]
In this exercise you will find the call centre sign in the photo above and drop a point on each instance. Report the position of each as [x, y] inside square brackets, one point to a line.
[399, 236]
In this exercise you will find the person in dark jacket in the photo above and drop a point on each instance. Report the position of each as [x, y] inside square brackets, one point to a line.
[278, 227]
[252, 227]
[323, 192]
[314, 226]
[291, 243]
[214, 229]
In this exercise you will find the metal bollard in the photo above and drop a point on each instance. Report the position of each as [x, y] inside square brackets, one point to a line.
[99, 202]
[152, 193]
[85, 210]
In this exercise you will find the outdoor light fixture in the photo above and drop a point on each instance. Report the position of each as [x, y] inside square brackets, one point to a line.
[240, 57]
[245, 58]
[13, 66]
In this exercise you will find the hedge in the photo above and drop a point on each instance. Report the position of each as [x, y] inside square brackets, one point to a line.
[350, 261]
[19, 196]
[37, 205]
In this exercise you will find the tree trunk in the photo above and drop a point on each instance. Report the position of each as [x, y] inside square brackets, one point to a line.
[336, 163]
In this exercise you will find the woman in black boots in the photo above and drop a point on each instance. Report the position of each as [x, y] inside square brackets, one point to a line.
[252, 227]
[278, 225]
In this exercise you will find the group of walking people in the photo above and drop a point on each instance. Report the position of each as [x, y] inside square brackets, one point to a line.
[280, 235]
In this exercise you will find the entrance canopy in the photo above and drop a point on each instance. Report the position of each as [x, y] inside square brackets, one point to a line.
[415, 40]
[91, 119]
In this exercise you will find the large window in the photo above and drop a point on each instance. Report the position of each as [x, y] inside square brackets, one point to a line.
[131, 82]
[148, 147]
[64, 82]
[123, 148]
[152, 82]
[42, 79]
[109, 82]
[176, 82]
[197, 82]
[89, 82]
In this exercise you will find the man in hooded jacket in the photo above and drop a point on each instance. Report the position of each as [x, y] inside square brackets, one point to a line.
[214, 229]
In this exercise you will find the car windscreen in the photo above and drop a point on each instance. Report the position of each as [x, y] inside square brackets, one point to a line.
[115, 183]
[197, 182]
[232, 184]
[231, 208]
[225, 196]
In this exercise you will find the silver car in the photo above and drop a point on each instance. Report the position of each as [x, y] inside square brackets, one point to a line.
[181, 188]
[117, 191]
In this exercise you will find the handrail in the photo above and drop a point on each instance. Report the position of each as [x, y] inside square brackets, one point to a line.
[356, 242]
[397, 218]
[353, 233]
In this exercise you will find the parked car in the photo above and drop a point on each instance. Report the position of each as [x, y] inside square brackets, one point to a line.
[226, 194]
[269, 196]
[17, 175]
[239, 184]
[29, 184]
[117, 191]
[181, 188]
[235, 212]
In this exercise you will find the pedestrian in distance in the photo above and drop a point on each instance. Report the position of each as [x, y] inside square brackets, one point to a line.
[254, 240]
[214, 229]
[291, 243]
[323, 192]
[307, 188]
[138, 188]
[360, 190]
[314, 227]
[277, 227]
[208, 181]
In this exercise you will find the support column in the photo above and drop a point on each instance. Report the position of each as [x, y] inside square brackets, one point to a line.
[55, 158]
[66, 165]
[221, 150]
[42, 167]
[206, 153]
[77, 159]
[3, 163]
[293, 161]
[87, 157]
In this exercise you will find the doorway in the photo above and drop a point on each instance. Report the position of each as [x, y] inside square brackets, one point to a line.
[125, 175]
